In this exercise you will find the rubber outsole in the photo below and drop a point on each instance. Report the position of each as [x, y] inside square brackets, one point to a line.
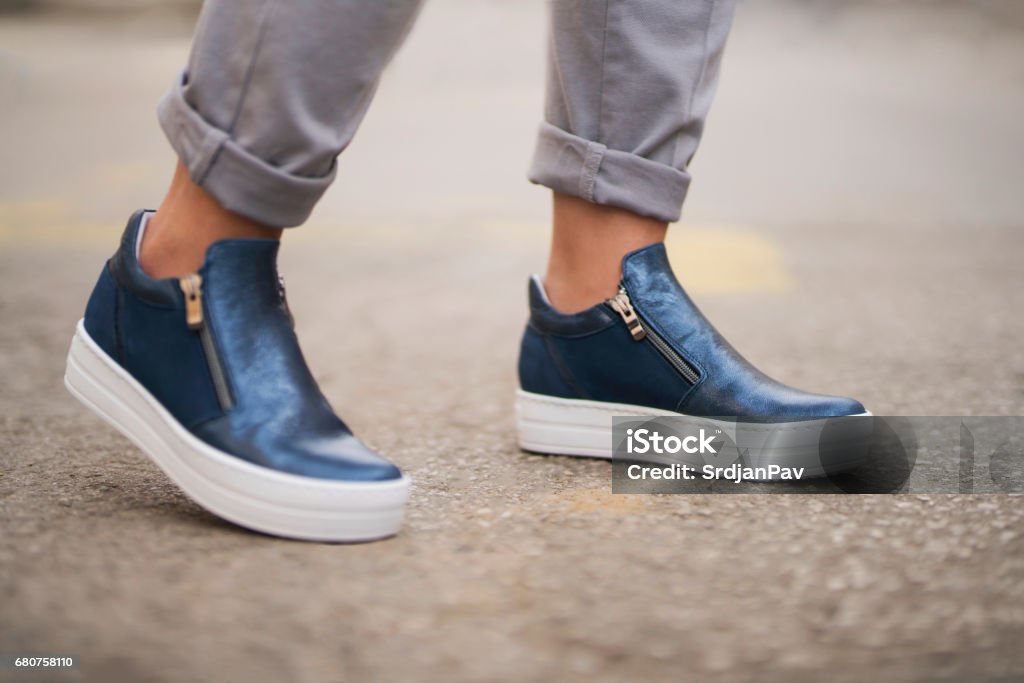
[254, 497]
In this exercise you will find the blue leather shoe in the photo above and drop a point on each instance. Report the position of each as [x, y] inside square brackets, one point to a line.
[648, 351]
[205, 375]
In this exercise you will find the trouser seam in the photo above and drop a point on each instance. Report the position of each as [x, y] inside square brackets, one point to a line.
[206, 154]
[588, 170]
[209, 148]
[699, 81]
[601, 82]
[268, 7]
[595, 151]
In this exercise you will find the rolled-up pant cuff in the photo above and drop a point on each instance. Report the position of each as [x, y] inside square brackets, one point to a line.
[240, 181]
[572, 165]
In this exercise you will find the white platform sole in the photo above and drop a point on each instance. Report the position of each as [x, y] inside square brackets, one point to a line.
[251, 496]
[561, 426]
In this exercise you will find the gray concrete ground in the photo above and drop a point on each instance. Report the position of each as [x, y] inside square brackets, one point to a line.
[855, 227]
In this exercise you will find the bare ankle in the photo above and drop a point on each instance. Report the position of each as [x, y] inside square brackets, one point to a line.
[569, 294]
[587, 245]
[188, 221]
[161, 256]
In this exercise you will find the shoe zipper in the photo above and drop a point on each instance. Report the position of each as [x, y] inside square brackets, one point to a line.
[284, 300]
[192, 288]
[621, 304]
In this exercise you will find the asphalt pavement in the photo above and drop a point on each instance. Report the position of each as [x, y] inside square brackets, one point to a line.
[855, 226]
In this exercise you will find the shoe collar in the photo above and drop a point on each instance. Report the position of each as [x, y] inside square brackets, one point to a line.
[224, 255]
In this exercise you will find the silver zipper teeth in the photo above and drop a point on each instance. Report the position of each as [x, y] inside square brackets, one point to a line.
[622, 305]
[196, 319]
[220, 383]
[684, 369]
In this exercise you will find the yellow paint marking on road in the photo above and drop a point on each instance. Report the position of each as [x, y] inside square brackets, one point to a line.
[51, 223]
[361, 233]
[707, 258]
[515, 231]
[31, 210]
[727, 260]
[124, 176]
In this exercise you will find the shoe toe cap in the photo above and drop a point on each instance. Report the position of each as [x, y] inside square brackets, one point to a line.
[333, 453]
[341, 458]
[839, 406]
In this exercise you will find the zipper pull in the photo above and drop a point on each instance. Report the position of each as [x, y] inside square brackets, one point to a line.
[192, 287]
[624, 307]
[284, 300]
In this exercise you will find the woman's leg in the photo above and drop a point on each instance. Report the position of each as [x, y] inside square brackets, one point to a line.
[629, 85]
[588, 242]
[187, 345]
[273, 92]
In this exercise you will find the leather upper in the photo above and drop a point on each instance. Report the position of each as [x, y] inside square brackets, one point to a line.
[582, 356]
[278, 417]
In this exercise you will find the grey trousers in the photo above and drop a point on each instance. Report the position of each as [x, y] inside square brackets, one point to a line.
[275, 89]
